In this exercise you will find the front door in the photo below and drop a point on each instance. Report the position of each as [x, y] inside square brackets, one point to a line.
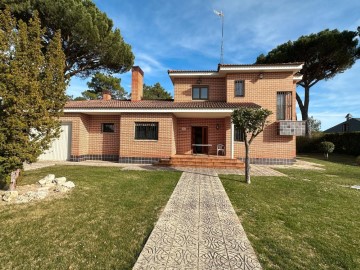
[199, 135]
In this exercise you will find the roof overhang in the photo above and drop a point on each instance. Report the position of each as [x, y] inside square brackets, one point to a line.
[182, 113]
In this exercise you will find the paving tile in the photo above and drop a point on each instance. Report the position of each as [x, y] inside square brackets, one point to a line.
[198, 229]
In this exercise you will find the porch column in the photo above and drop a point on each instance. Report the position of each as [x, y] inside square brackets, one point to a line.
[232, 141]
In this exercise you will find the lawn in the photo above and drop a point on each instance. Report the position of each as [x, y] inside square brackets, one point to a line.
[102, 224]
[307, 220]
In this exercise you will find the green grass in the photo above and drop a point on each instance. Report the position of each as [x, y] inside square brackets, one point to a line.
[102, 224]
[307, 220]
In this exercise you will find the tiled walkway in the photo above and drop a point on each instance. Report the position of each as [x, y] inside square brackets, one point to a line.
[198, 229]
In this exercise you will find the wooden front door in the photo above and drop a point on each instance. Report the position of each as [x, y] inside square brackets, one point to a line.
[199, 135]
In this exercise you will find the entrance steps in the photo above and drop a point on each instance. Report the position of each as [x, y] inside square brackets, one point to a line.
[201, 161]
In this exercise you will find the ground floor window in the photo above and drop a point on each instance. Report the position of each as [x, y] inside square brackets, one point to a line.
[108, 127]
[146, 130]
[238, 135]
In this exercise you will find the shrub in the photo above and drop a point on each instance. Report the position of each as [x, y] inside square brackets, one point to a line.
[326, 148]
[357, 160]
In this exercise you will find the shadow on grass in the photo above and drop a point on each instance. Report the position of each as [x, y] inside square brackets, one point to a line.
[333, 158]
[234, 178]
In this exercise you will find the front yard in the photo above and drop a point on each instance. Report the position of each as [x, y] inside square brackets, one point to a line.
[101, 224]
[308, 220]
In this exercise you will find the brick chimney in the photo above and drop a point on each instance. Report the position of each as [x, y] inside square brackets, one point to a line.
[137, 83]
[106, 95]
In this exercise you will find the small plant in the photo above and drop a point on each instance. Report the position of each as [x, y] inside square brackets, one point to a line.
[357, 160]
[326, 148]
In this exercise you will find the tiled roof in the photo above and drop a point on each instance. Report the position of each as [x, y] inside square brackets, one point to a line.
[154, 104]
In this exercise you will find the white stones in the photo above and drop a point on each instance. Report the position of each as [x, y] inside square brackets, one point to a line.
[10, 196]
[48, 185]
[68, 184]
[356, 187]
[60, 180]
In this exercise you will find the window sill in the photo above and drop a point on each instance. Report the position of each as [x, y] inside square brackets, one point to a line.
[145, 140]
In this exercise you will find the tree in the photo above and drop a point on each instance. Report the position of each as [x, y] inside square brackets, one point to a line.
[88, 39]
[155, 91]
[32, 88]
[327, 148]
[314, 125]
[101, 82]
[324, 54]
[251, 122]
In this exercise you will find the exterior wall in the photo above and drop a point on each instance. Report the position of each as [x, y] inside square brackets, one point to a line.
[183, 88]
[161, 148]
[174, 135]
[263, 92]
[214, 136]
[80, 134]
[103, 143]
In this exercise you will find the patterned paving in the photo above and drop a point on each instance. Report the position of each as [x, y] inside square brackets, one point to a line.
[198, 229]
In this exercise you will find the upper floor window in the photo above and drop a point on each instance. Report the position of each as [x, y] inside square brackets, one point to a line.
[238, 135]
[345, 127]
[284, 106]
[146, 130]
[239, 88]
[108, 127]
[200, 92]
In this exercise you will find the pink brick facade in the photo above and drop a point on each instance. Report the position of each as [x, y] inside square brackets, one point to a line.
[175, 127]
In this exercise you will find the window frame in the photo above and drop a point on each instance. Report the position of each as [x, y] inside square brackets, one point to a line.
[243, 88]
[105, 130]
[238, 134]
[286, 108]
[147, 132]
[200, 91]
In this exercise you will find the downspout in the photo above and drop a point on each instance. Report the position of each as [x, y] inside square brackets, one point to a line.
[232, 140]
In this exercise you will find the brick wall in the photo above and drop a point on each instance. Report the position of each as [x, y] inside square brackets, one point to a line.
[129, 147]
[263, 92]
[215, 136]
[79, 132]
[103, 143]
[183, 88]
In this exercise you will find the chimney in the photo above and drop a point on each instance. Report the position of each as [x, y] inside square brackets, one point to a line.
[106, 95]
[137, 83]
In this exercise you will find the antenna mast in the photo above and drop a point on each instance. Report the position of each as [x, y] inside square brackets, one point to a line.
[221, 15]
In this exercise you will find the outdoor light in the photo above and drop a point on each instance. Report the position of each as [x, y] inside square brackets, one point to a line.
[199, 81]
[261, 75]
[217, 126]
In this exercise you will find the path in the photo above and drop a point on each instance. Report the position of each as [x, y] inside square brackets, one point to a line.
[198, 229]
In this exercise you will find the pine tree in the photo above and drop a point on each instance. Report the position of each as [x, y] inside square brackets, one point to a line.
[32, 88]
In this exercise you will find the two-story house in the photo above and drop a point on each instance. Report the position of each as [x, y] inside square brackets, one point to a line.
[196, 121]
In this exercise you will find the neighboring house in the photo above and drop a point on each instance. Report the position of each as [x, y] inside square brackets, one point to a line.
[350, 125]
[143, 131]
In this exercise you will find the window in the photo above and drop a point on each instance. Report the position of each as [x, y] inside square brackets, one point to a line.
[200, 92]
[239, 88]
[238, 135]
[345, 127]
[284, 106]
[146, 130]
[108, 127]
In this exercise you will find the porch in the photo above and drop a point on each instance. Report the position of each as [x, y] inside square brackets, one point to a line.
[202, 161]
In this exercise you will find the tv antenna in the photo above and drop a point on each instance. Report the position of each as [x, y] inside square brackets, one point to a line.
[221, 15]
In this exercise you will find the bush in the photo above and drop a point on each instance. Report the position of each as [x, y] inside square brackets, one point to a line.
[357, 160]
[326, 148]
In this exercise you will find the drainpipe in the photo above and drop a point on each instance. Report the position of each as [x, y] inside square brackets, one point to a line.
[232, 140]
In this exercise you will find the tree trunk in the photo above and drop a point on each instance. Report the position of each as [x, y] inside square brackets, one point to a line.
[14, 176]
[247, 162]
[304, 108]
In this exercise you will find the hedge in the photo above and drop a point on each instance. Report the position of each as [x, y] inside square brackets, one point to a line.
[345, 143]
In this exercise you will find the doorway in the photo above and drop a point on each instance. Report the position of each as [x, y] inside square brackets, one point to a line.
[199, 135]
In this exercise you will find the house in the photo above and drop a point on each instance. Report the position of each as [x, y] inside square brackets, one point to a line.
[196, 121]
[350, 125]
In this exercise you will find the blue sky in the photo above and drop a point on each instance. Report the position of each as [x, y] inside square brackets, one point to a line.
[172, 34]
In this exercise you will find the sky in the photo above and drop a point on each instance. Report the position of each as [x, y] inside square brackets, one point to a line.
[172, 34]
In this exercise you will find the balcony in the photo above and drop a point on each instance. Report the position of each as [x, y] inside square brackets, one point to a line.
[292, 128]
